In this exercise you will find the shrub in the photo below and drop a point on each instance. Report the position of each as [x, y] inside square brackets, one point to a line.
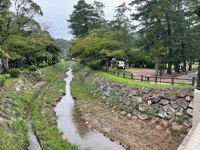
[15, 72]
[42, 65]
[2, 80]
[32, 68]
[95, 65]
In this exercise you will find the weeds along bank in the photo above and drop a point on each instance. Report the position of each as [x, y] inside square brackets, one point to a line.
[43, 114]
[174, 105]
[15, 101]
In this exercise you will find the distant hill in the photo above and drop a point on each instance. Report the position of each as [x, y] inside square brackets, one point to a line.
[65, 45]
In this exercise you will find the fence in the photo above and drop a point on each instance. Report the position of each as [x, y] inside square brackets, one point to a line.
[156, 79]
[198, 78]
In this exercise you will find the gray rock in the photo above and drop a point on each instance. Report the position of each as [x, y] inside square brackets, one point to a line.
[161, 113]
[134, 93]
[156, 105]
[164, 102]
[170, 96]
[191, 105]
[145, 97]
[155, 98]
[187, 123]
[146, 90]
[174, 104]
[168, 109]
[179, 111]
[162, 94]
[182, 103]
[139, 100]
[128, 103]
[188, 98]
[183, 93]
[189, 111]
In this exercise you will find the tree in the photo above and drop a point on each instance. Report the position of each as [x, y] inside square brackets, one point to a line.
[99, 47]
[13, 22]
[121, 21]
[65, 45]
[83, 19]
[165, 28]
[150, 15]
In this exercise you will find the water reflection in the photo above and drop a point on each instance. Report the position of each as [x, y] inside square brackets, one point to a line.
[77, 132]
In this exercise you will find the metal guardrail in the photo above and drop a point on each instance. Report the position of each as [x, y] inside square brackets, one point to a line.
[198, 78]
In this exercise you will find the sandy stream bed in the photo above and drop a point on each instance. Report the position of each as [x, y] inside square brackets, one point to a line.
[132, 133]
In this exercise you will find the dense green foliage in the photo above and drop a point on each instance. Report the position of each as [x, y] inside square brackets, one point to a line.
[22, 39]
[65, 46]
[166, 32]
[32, 68]
[14, 72]
[85, 17]
[2, 80]
[166, 29]
[99, 47]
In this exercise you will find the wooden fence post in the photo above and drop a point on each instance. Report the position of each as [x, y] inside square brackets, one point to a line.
[172, 80]
[141, 78]
[131, 76]
[156, 78]
[193, 81]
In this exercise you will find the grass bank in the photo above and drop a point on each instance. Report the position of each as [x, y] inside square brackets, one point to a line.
[15, 98]
[138, 83]
[43, 114]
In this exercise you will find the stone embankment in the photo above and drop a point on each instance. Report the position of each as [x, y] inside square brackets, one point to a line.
[15, 101]
[172, 104]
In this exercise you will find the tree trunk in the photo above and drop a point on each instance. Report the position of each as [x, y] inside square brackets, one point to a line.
[184, 66]
[190, 64]
[169, 68]
[177, 67]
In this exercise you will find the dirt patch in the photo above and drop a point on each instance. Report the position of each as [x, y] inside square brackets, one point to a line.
[132, 132]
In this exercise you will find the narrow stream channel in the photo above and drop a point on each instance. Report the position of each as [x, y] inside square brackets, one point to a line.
[75, 129]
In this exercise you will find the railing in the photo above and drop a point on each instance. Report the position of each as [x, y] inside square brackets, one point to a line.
[156, 79]
[198, 78]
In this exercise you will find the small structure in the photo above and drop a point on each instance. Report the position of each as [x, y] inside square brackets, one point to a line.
[121, 65]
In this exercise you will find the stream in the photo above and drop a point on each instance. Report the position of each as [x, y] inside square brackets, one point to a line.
[74, 128]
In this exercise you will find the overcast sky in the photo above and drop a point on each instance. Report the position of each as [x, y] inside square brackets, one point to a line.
[56, 13]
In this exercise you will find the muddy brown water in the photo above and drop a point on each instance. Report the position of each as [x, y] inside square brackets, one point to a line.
[74, 128]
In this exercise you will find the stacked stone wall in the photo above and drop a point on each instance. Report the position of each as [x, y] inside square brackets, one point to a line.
[173, 104]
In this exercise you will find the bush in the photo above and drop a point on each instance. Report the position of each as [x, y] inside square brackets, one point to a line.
[2, 80]
[32, 68]
[41, 65]
[95, 65]
[15, 73]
